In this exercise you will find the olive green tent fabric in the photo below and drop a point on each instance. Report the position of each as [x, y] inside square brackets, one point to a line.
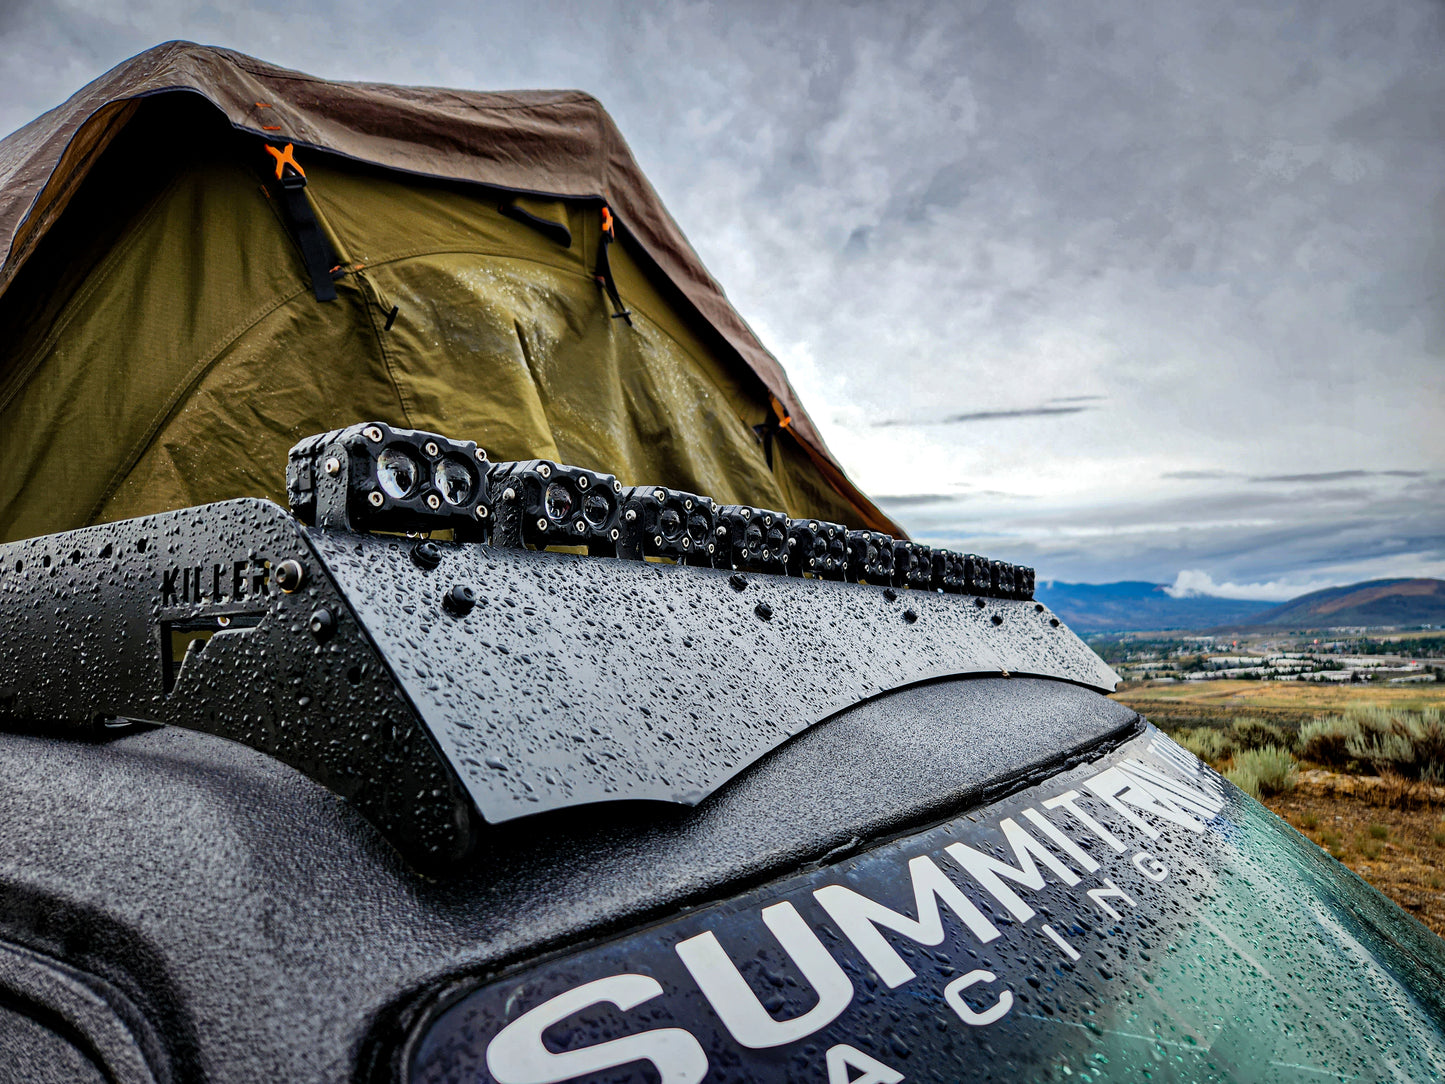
[167, 348]
[164, 346]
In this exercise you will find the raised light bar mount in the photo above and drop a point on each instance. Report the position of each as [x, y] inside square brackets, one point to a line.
[439, 686]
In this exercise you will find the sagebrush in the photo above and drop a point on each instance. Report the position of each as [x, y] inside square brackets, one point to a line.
[1262, 772]
[1410, 744]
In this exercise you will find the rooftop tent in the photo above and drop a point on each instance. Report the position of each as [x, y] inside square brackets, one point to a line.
[171, 329]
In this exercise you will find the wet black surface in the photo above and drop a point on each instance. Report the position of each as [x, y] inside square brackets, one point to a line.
[266, 930]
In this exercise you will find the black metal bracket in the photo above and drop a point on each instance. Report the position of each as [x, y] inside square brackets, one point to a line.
[439, 685]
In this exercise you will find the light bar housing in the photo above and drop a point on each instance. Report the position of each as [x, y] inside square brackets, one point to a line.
[375, 477]
[817, 548]
[662, 522]
[950, 572]
[752, 539]
[870, 557]
[540, 503]
[912, 565]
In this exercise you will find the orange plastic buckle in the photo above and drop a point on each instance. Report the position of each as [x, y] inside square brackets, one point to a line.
[607, 221]
[286, 156]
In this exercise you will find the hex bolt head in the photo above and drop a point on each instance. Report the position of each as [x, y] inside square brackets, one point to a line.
[322, 624]
[910, 615]
[332, 465]
[459, 600]
[290, 575]
[738, 581]
[426, 555]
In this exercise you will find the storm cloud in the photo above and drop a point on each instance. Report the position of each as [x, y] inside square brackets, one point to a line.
[1163, 251]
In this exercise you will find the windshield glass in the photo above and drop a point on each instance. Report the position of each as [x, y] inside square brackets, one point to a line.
[1132, 918]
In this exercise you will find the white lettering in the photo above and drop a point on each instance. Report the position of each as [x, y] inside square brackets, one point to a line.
[1068, 846]
[1053, 935]
[859, 918]
[733, 999]
[516, 1055]
[987, 870]
[842, 1058]
[1067, 801]
[953, 994]
[1098, 895]
[1198, 802]
[1118, 787]
[1157, 870]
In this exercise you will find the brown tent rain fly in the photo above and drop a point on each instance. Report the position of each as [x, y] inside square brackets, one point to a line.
[208, 258]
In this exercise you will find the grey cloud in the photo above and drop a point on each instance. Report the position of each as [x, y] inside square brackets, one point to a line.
[1338, 476]
[1197, 475]
[988, 415]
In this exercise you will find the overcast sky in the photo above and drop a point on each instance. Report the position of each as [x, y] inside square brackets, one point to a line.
[1146, 291]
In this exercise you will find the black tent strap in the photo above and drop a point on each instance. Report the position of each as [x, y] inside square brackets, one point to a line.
[316, 250]
[603, 272]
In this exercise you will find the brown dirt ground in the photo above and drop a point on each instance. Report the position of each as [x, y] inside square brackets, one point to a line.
[1359, 820]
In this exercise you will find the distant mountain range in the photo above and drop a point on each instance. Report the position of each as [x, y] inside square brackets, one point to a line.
[1135, 606]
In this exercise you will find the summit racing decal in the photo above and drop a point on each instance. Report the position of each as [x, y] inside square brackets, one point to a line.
[927, 958]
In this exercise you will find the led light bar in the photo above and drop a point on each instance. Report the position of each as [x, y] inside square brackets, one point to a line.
[752, 539]
[373, 477]
[912, 565]
[817, 548]
[870, 557]
[978, 574]
[540, 503]
[662, 522]
[949, 572]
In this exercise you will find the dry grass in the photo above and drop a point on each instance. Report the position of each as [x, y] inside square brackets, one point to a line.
[1283, 703]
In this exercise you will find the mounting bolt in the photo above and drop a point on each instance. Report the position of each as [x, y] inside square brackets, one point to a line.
[615, 533]
[482, 454]
[430, 447]
[322, 624]
[544, 470]
[582, 482]
[581, 526]
[630, 515]
[290, 575]
[541, 523]
[332, 466]
[433, 501]
[373, 434]
[890, 594]
[509, 494]
[426, 555]
[910, 615]
[459, 600]
[738, 580]
[375, 498]
[763, 610]
[997, 619]
[481, 511]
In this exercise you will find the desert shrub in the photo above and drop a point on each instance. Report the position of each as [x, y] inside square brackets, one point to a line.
[1208, 743]
[1408, 743]
[1262, 772]
[1251, 733]
[1325, 741]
